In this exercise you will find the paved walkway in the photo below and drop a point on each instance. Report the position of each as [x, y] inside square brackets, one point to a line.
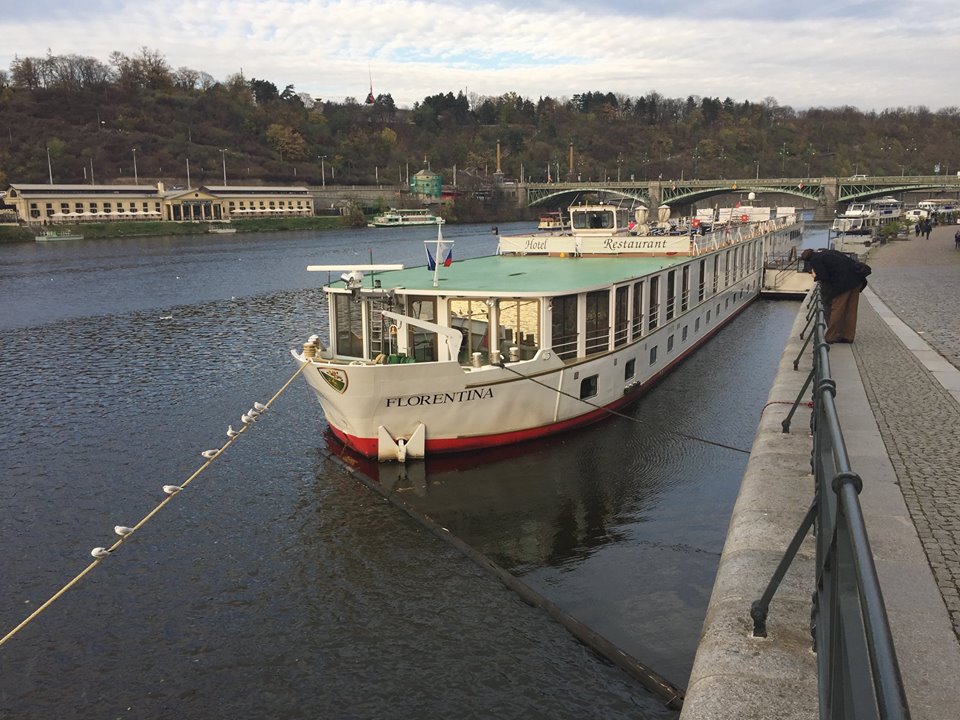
[899, 405]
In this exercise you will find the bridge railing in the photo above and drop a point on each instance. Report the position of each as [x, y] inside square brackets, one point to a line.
[857, 668]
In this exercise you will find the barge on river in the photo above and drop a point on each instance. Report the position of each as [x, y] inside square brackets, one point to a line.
[548, 334]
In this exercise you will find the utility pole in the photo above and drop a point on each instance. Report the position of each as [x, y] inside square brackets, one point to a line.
[136, 179]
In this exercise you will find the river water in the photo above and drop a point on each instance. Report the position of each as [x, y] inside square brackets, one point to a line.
[276, 585]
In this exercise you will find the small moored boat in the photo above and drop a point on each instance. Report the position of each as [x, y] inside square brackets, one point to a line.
[402, 217]
[549, 334]
[552, 221]
[54, 235]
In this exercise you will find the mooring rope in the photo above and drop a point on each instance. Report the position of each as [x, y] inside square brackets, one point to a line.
[620, 414]
[101, 553]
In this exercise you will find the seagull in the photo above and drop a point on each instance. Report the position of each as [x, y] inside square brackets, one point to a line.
[252, 412]
[246, 419]
[210, 454]
[231, 432]
[99, 552]
[122, 530]
[259, 406]
[172, 489]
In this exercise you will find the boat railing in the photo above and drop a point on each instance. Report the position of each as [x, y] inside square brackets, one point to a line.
[857, 669]
[565, 346]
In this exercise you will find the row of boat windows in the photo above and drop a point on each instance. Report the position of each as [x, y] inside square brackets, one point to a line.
[589, 385]
[636, 309]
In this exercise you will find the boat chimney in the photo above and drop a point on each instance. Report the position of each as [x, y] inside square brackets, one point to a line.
[160, 188]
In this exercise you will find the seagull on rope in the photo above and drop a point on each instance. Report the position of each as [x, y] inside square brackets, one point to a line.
[99, 552]
[210, 454]
[122, 530]
[172, 489]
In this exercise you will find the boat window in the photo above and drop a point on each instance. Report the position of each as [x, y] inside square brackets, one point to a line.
[598, 322]
[564, 326]
[349, 321]
[621, 328]
[671, 294]
[593, 220]
[422, 343]
[519, 327]
[683, 335]
[637, 310]
[653, 355]
[653, 316]
[670, 343]
[588, 387]
[472, 319]
[630, 369]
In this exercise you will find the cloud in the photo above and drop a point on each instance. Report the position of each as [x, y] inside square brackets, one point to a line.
[872, 56]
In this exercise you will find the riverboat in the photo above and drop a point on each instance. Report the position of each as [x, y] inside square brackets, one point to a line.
[863, 217]
[403, 217]
[552, 222]
[55, 235]
[551, 333]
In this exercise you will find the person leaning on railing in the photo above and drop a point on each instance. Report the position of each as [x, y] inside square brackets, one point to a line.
[841, 279]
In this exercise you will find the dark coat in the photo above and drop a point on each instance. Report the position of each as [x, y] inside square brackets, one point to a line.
[836, 273]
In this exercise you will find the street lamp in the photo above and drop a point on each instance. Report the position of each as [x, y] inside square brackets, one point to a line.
[323, 170]
[136, 179]
[223, 159]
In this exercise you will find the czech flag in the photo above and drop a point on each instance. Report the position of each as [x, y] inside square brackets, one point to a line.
[448, 258]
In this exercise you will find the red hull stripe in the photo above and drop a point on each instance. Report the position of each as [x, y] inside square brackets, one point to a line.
[368, 446]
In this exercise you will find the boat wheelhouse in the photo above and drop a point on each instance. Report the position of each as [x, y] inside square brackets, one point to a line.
[549, 334]
[402, 217]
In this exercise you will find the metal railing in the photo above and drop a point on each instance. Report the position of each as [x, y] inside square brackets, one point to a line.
[857, 669]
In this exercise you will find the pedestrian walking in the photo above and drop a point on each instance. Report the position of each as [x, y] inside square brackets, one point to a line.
[956, 240]
[841, 279]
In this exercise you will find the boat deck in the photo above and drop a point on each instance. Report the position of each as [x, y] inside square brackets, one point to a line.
[526, 276]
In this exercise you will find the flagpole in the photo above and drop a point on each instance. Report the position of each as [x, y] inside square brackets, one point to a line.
[436, 264]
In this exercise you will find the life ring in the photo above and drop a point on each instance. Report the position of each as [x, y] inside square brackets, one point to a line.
[696, 222]
[744, 217]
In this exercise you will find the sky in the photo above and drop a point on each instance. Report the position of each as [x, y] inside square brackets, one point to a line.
[819, 53]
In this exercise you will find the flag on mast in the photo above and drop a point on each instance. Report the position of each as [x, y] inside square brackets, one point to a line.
[442, 254]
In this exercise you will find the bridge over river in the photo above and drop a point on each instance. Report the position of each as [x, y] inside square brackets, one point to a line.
[824, 193]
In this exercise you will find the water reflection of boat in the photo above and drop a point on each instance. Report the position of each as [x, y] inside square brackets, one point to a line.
[584, 323]
[403, 217]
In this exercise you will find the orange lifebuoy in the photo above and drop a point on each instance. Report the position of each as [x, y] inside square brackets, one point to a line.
[744, 218]
[696, 222]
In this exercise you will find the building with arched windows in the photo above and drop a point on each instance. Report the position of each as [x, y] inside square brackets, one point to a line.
[52, 204]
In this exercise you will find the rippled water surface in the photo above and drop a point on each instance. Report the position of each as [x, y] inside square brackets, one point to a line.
[276, 585]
